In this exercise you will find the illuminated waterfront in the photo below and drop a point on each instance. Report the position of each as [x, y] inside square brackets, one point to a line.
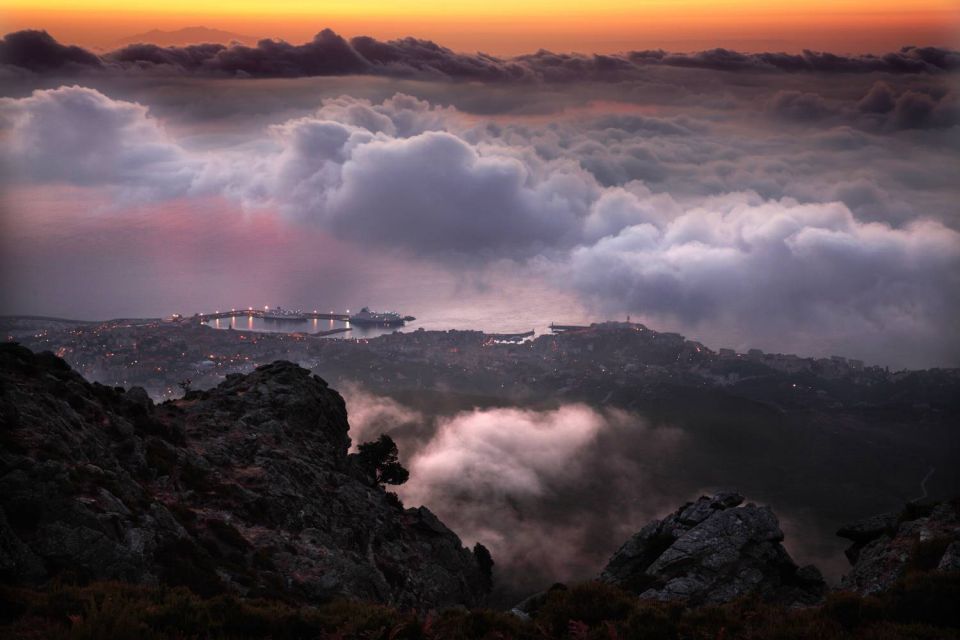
[314, 325]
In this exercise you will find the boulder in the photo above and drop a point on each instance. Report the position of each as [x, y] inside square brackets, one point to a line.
[923, 537]
[711, 551]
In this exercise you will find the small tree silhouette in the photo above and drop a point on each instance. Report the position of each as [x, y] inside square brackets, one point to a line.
[380, 459]
[185, 385]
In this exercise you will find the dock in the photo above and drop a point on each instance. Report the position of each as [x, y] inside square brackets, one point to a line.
[259, 313]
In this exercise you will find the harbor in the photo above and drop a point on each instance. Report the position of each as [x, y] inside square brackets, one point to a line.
[361, 324]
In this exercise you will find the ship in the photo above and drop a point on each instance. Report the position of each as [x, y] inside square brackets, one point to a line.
[365, 317]
[279, 314]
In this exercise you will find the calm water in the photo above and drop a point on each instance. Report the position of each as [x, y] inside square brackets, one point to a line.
[249, 323]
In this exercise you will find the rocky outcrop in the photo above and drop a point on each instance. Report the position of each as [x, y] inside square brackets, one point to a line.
[712, 551]
[246, 488]
[923, 537]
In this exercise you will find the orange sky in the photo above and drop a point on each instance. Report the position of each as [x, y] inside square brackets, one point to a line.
[516, 26]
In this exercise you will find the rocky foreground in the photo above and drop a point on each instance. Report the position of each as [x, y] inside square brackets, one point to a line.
[245, 498]
[716, 550]
[247, 488]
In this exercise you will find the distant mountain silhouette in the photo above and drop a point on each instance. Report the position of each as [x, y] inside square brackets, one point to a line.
[185, 36]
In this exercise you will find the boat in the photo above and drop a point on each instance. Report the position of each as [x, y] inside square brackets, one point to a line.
[377, 318]
[279, 314]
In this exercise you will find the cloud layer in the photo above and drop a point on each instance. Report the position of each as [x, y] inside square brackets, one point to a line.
[329, 54]
[804, 217]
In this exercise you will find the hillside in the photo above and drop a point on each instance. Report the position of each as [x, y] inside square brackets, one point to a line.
[246, 488]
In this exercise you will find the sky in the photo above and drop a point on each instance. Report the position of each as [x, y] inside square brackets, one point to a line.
[509, 27]
[800, 202]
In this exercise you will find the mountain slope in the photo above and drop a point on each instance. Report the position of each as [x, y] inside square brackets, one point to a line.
[245, 488]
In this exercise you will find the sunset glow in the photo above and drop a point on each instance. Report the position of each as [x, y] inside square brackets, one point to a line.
[507, 27]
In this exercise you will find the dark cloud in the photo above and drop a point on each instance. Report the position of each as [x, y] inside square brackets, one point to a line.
[796, 105]
[172, 59]
[913, 110]
[918, 110]
[330, 54]
[880, 99]
[326, 55]
[38, 51]
[411, 56]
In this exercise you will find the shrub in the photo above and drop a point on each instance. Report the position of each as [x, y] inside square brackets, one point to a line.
[380, 459]
[188, 565]
[929, 598]
[591, 603]
[921, 607]
[651, 623]
[850, 611]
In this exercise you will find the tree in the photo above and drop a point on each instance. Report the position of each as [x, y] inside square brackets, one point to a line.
[379, 458]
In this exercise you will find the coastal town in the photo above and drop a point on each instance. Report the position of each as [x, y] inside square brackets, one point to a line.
[600, 362]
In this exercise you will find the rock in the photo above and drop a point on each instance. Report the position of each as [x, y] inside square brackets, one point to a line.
[138, 396]
[247, 488]
[863, 532]
[712, 551]
[951, 558]
[869, 528]
[924, 537]
[530, 606]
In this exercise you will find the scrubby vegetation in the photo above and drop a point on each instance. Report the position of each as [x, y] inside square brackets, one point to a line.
[380, 459]
[922, 606]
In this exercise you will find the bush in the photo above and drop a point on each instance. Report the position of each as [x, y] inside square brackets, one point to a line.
[590, 603]
[188, 565]
[929, 598]
[651, 623]
[851, 611]
[380, 459]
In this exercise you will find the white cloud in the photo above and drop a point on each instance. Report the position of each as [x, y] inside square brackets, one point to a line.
[503, 452]
[80, 136]
[783, 272]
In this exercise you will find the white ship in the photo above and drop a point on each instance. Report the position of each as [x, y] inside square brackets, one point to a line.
[280, 314]
[377, 318]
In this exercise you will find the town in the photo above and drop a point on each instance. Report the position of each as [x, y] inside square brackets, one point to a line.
[601, 362]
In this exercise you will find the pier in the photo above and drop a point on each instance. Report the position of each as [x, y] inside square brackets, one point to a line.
[259, 313]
